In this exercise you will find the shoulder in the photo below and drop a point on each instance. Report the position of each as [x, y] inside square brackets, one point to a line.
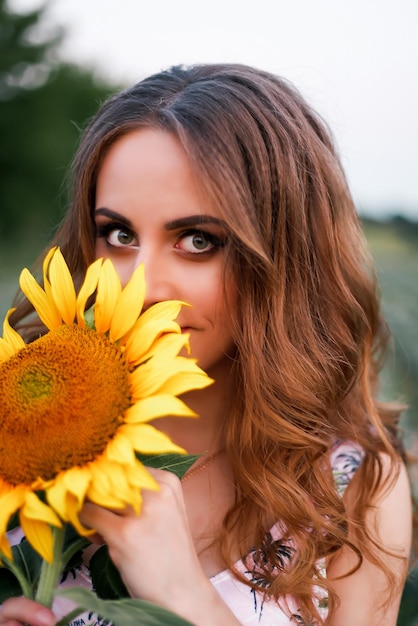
[376, 585]
[389, 509]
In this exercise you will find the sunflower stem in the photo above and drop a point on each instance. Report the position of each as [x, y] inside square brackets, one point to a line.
[51, 572]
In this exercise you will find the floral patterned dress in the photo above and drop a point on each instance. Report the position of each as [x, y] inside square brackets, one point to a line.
[250, 608]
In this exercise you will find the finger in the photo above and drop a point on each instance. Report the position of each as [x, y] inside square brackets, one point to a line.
[107, 522]
[97, 539]
[167, 481]
[95, 516]
[18, 611]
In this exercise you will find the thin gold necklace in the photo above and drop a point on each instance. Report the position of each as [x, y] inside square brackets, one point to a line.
[198, 468]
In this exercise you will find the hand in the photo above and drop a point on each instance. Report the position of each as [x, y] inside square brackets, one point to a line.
[155, 554]
[154, 551]
[20, 611]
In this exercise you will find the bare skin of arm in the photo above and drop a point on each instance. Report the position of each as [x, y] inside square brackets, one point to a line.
[363, 593]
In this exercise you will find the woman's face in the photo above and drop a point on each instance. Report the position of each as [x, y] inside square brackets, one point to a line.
[148, 210]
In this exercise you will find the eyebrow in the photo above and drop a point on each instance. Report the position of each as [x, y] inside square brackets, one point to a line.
[182, 222]
[194, 220]
[113, 216]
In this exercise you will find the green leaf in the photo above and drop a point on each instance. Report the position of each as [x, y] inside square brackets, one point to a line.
[105, 577]
[127, 612]
[9, 585]
[23, 570]
[27, 560]
[89, 318]
[176, 463]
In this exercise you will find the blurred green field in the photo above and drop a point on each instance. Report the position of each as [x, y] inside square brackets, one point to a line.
[394, 247]
[12, 260]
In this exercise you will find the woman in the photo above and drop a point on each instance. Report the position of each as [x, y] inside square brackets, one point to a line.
[227, 186]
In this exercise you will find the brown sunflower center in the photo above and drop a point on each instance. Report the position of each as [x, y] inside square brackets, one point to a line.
[62, 399]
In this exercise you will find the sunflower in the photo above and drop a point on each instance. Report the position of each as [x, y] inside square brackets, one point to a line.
[76, 402]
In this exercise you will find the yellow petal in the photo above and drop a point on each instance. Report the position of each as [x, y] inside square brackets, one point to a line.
[56, 496]
[44, 306]
[45, 267]
[39, 535]
[121, 486]
[120, 491]
[155, 406]
[140, 477]
[11, 335]
[87, 289]
[158, 336]
[68, 494]
[120, 450]
[36, 519]
[161, 375]
[11, 342]
[62, 287]
[170, 344]
[47, 261]
[33, 508]
[142, 341]
[100, 481]
[102, 491]
[11, 499]
[163, 311]
[74, 481]
[185, 381]
[147, 439]
[108, 292]
[104, 499]
[136, 475]
[5, 548]
[129, 305]
[73, 509]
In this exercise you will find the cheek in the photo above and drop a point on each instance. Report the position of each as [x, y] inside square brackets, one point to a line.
[124, 267]
[220, 302]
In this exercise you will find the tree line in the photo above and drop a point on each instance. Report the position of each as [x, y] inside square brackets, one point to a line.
[44, 104]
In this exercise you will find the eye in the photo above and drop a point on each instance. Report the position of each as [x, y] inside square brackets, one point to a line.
[117, 236]
[198, 242]
[120, 237]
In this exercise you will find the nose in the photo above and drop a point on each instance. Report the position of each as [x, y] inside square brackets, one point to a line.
[159, 279]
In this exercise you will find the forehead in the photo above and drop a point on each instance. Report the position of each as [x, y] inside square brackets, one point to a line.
[151, 165]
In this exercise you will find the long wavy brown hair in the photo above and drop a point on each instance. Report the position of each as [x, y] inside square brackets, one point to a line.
[309, 332]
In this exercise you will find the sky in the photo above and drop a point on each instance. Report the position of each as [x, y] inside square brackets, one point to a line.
[355, 61]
